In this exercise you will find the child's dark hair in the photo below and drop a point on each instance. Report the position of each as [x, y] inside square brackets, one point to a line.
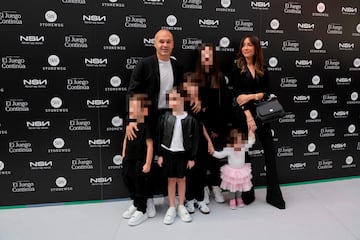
[180, 90]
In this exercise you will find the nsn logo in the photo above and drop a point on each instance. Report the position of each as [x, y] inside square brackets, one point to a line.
[97, 102]
[306, 25]
[99, 142]
[32, 38]
[41, 164]
[303, 62]
[35, 82]
[96, 61]
[101, 180]
[38, 123]
[208, 22]
[260, 4]
[94, 18]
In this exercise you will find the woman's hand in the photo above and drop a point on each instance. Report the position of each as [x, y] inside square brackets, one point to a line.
[243, 99]
[190, 164]
[160, 161]
[130, 130]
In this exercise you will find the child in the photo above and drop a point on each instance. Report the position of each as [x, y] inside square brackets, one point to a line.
[236, 174]
[178, 141]
[137, 156]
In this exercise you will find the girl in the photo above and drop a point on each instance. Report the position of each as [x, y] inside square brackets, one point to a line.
[236, 174]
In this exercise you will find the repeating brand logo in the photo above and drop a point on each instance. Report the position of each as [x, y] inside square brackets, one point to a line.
[96, 181]
[264, 44]
[40, 165]
[311, 150]
[94, 19]
[209, 23]
[285, 151]
[260, 5]
[354, 96]
[300, 133]
[13, 62]
[356, 64]
[338, 146]
[315, 82]
[192, 4]
[54, 61]
[56, 104]
[297, 166]
[61, 185]
[351, 131]
[115, 83]
[327, 132]
[113, 3]
[79, 84]
[224, 44]
[343, 80]
[95, 62]
[117, 162]
[117, 124]
[306, 27]
[357, 33]
[273, 64]
[332, 64]
[171, 22]
[35, 83]
[320, 10]
[149, 42]
[32, 39]
[154, 2]
[79, 124]
[58, 144]
[329, 99]
[301, 99]
[99, 142]
[51, 17]
[38, 125]
[341, 114]
[349, 10]
[135, 21]
[81, 164]
[225, 7]
[314, 117]
[75, 41]
[349, 162]
[114, 41]
[318, 45]
[303, 63]
[256, 152]
[292, 8]
[274, 25]
[3, 131]
[73, 1]
[191, 43]
[288, 82]
[346, 46]
[2, 167]
[288, 118]
[10, 18]
[334, 28]
[23, 186]
[290, 46]
[325, 164]
[20, 146]
[98, 103]
[132, 62]
[16, 105]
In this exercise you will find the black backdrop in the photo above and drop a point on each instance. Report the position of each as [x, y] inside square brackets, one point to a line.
[66, 66]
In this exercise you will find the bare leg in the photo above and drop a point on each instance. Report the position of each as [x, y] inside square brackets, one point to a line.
[181, 189]
[171, 191]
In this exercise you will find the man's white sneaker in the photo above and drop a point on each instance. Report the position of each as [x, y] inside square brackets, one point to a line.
[137, 218]
[129, 212]
[190, 206]
[203, 207]
[184, 214]
[218, 194]
[150, 208]
[170, 216]
[206, 195]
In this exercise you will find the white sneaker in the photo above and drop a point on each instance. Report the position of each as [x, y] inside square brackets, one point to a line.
[129, 212]
[218, 194]
[184, 214]
[190, 206]
[137, 218]
[203, 207]
[150, 208]
[206, 195]
[170, 216]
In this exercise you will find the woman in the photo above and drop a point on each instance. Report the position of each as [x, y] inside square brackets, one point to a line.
[251, 84]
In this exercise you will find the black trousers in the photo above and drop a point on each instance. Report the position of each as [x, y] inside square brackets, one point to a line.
[137, 183]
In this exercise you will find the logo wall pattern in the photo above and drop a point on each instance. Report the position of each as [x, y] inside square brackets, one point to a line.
[65, 68]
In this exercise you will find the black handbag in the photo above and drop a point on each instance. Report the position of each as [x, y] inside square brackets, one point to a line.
[270, 110]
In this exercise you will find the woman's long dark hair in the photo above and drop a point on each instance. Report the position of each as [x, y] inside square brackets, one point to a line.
[258, 60]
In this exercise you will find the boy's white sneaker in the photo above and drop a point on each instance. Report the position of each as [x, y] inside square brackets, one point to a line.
[129, 212]
[170, 216]
[137, 218]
